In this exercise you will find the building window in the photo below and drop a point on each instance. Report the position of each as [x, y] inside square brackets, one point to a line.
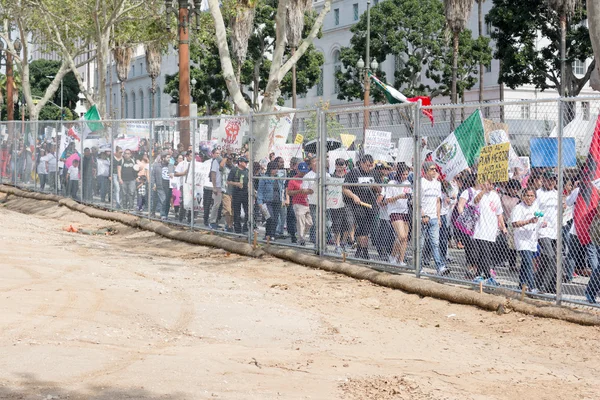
[578, 67]
[320, 84]
[585, 108]
[141, 104]
[126, 106]
[376, 2]
[488, 68]
[337, 66]
[133, 104]
[141, 68]
[355, 9]
[488, 28]
[132, 71]
[525, 111]
[150, 104]
[336, 16]
[158, 98]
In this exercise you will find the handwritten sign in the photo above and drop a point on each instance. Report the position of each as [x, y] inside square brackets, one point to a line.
[287, 151]
[377, 140]
[335, 198]
[299, 139]
[493, 163]
[231, 132]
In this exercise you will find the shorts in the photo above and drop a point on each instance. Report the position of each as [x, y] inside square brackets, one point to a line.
[399, 217]
[339, 219]
[226, 202]
[364, 218]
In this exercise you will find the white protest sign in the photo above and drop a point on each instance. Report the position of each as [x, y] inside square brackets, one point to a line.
[335, 198]
[128, 143]
[197, 180]
[405, 150]
[231, 132]
[377, 140]
[287, 151]
[280, 126]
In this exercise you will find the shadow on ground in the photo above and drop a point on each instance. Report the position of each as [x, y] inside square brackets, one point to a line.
[28, 387]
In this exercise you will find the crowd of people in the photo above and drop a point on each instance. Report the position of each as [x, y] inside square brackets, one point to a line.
[370, 206]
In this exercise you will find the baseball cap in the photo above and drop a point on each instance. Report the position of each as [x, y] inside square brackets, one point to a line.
[243, 159]
[303, 167]
[549, 175]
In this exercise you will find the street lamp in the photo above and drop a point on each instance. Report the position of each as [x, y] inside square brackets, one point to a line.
[61, 94]
[183, 25]
[372, 67]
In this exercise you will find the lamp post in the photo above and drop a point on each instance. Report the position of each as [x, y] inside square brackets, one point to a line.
[61, 94]
[370, 66]
[185, 9]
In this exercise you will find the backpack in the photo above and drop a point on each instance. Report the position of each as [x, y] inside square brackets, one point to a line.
[466, 221]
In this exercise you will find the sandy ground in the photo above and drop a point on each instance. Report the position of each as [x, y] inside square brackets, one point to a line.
[136, 316]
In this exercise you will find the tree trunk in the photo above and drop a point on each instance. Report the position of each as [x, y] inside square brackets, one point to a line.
[293, 81]
[481, 66]
[593, 15]
[454, 93]
[101, 57]
[153, 91]
[563, 54]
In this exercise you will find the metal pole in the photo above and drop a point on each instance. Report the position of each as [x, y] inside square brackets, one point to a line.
[151, 161]
[322, 184]
[193, 167]
[416, 197]
[61, 99]
[250, 216]
[184, 72]
[559, 219]
[112, 166]
[367, 69]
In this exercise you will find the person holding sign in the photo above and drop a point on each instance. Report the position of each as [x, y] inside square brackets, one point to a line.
[547, 199]
[431, 195]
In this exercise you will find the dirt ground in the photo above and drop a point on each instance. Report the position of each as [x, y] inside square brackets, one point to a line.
[136, 316]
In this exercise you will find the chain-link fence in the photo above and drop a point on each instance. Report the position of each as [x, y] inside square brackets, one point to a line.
[489, 195]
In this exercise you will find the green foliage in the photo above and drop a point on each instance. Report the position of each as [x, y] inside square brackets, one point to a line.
[527, 39]
[412, 30]
[471, 52]
[39, 71]
[334, 128]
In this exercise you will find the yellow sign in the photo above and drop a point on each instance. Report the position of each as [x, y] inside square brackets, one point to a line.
[347, 140]
[493, 163]
[299, 139]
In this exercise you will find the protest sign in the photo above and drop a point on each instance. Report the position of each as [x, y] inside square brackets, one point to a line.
[193, 184]
[405, 151]
[299, 139]
[347, 139]
[335, 197]
[493, 163]
[231, 132]
[287, 151]
[128, 143]
[544, 152]
[280, 125]
[377, 140]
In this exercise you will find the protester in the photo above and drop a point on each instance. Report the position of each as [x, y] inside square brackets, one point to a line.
[396, 199]
[216, 168]
[431, 195]
[73, 180]
[547, 200]
[270, 196]
[299, 201]
[42, 169]
[238, 182]
[103, 173]
[339, 213]
[117, 162]
[526, 224]
[88, 174]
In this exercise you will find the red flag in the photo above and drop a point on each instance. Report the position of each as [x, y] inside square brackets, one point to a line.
[587, 201]
[425, 101]
[72, 134]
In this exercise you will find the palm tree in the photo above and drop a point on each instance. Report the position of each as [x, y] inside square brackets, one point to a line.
[457, 14]
[122, 56]
[564, 8]
[480, 29]
[153, 61]
[241, 30]
[294, 26]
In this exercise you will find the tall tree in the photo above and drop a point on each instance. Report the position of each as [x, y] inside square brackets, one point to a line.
[122, 55]
[528, 43]
[457, 15]
[294, 24]
[242, 25]
[411, 31]
[278, 69]
[593, 9]
[480, 32]
[153, 53]
[564, 9]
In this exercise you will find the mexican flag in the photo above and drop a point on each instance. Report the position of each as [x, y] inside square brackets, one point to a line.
[461, 148]
[393, 96]
[92, 117]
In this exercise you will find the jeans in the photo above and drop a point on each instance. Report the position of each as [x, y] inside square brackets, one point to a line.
[281, 221]
[128, 194]
[239, 201]
[546, 275]
[158, 200]
[52, 181]
[291, 222]
[87, 187]
[593, 287]
[103, 180]
[43, 179]
[74, 189]
[312, 234]
[569, 260]
[526, 273]
[274, 210]
[444, 237]
[116, 190]
[430, 232]
[206, 204]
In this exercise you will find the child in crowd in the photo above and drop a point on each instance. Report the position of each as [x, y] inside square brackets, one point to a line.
[73, 180]
[141, 191]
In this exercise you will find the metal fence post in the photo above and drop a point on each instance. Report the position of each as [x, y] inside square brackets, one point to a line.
[250, 216]
[322, 196]
[150, 162]
[416, 196]
[112, 166]
[559, 219]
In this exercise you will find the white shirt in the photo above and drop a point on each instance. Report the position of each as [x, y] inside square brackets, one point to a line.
[41, 168]
[431, 192]
[312, 198]
[181, 167]
[216, 168]
[73, 173]
[547, 201]
[527, 235]
[103, 167]
[490, 207]
[399, 206]
[570, 202]
[207, 184]
[51, 159]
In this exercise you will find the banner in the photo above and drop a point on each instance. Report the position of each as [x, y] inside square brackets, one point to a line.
[280, 126]
[287, 151]
[493, 163]
[128, 143]
[377, 140]
[544, 152]
[231, 132]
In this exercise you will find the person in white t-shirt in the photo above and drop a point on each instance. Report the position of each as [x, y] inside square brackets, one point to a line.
[396, 201]
[526, 226]
[431, 194]
[547, 200]
[42, 169]
[487, 226]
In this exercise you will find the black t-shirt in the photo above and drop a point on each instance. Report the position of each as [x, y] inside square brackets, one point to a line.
[115, 164]
[127, 171]
[364, 193]
[239, 175]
